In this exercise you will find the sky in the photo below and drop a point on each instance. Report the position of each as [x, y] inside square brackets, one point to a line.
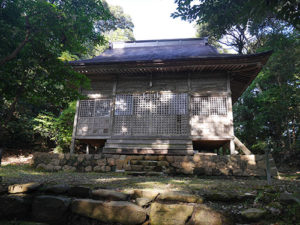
[151, 19]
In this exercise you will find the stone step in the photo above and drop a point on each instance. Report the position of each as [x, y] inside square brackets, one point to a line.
[152, 168]
[151, 151]
[143, 162]
[149, 141]
[144, 173]
[148, 146]
[143, 168]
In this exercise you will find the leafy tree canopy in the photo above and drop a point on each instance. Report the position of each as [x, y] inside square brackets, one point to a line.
[36, 36]
[227, 13]
[239, 24]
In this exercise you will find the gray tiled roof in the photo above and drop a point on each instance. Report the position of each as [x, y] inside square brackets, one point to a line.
[154, 50]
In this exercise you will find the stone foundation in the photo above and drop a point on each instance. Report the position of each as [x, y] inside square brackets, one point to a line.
[198, 164]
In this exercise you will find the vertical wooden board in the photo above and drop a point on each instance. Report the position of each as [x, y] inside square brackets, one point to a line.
[106, 85]
[209, 82]
[170, 82]
[133, 85]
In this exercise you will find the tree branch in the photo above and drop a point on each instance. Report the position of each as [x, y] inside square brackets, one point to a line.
[20, 47]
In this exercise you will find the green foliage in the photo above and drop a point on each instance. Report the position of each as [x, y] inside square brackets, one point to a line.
[241, 25]
[236, 12]
[38, 38]
[64, 124]
[203, 31]
[58, 129]
[121, 32]
[267, 114]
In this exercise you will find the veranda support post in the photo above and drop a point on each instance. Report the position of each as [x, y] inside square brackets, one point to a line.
[74, 129]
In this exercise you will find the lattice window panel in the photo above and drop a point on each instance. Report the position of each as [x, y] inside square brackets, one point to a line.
[93, 117]
[142, 104]
[218, 106]
[123, 105]
[171, 124]
[171, 104]
[152, 114]
[207, 106]
[86, 108]
[122, 125]
[102, 108]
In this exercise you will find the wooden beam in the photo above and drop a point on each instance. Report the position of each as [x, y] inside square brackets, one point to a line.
[88, 149]
[241, 146]
[74, 129]
[232, 148]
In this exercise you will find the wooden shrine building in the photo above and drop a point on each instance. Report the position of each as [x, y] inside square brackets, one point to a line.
[162, 96]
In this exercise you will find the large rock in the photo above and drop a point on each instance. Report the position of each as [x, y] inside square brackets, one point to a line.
[150, 194]
[110, 212]
[23, 188]
[226, 196]
[288, 198]
[204, 215]
[105, 194]
[80, 192]
[3, 189]
[169, 214]
[180, 197]
[50, 208]
[253, 214]
[57, 189]
[142, 201]
[16, 205]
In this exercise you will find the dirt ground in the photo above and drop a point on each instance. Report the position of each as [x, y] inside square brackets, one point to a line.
[17, 157]
[16, 169]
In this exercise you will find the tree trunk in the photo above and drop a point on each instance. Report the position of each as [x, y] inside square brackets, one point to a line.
[268, 171]
[1, 152]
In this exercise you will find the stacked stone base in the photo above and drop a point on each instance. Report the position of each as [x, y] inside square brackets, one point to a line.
[197, 164]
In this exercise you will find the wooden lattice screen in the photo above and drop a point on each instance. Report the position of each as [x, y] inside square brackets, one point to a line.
[209, 106]
[151, 114]
[93, 117]
[209, 116]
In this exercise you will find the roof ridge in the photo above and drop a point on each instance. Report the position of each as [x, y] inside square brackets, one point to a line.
[159, 42]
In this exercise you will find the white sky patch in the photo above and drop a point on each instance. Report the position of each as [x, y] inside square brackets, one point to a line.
[152, 19]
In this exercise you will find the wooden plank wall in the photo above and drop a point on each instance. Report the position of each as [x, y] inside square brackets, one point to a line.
[196, 84]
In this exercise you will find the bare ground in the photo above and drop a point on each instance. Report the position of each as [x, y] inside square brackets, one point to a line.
[16, 169]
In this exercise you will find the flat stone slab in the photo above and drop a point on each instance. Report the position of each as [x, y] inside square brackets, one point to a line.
[142, 201]
[80, 192]
[110, 212]
[15, 205]
[150, 194]
[226, 196]
[57, 189]
[204, 215]
[288, 198]
[253, 214]
[180, 197]
[23, 188]
[170, 214]
[106, 194]
[50, 208]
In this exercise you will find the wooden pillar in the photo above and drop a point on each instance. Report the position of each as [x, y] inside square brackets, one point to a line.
[74, 129]
[87, 149]
[112, 106]
[232, 148]
[230, 117]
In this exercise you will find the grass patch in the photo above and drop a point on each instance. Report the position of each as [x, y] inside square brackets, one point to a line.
[18, 170]
[13, 174]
